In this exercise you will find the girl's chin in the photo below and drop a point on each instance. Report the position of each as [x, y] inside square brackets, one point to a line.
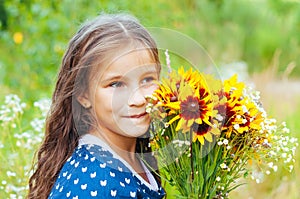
[135, 131]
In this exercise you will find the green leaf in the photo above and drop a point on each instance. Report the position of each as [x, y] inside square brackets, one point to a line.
[210, 171]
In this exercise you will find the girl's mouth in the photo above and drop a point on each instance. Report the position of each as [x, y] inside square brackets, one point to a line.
[138, 115]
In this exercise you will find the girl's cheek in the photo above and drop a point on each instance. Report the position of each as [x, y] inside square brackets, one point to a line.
[120, 97]
[150, 90]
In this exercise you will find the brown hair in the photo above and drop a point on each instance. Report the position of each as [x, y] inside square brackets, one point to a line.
[68, 119]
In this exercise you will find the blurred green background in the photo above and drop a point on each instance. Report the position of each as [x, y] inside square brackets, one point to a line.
[264, 34]
[231, 30]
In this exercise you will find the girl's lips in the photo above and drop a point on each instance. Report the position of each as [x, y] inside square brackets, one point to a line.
[138, 115]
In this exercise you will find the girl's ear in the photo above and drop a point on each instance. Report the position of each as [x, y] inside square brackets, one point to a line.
[84, 101]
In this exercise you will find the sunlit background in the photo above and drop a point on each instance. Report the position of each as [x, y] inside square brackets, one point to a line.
[258, 39]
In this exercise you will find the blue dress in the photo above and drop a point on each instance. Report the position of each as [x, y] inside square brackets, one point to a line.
[94, 171]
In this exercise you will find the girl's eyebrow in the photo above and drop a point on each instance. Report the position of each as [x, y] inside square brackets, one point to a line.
[112, 78]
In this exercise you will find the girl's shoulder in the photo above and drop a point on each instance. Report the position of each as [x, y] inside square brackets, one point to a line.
[93, 172]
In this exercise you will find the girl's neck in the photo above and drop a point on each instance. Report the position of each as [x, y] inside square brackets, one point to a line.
[126, 150]
[124, 147]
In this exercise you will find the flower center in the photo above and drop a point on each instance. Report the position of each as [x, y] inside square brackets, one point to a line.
[193, 107]
[200, 129]
[190, 108]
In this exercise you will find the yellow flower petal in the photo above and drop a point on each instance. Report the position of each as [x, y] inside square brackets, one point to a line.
[201, 139]
[190, 123]
[174, 119]
[185, 91]
[173, 105]
[195, 138]
[179, 124]
[206, 120]
[208, 137]
[198, 121]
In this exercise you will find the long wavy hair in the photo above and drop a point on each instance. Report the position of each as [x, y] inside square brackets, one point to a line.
[67, 120]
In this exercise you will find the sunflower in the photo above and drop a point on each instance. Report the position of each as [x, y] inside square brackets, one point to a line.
[167, 94]
[185, 98]
[193, 105]
[239, 113]
[193, 78]
[168, 89]
[204, 132]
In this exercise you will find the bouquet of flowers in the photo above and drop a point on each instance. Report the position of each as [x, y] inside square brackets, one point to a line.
[209, 133]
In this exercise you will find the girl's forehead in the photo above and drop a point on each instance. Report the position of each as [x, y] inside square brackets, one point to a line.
[129, 60]
[138, 56]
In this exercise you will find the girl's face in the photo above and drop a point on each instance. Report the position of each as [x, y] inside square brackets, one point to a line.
[118, 99]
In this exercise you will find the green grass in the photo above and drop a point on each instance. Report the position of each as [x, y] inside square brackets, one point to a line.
[22, 131]
[233, 30]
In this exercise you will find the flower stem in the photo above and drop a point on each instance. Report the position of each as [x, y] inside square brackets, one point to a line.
[191, 147]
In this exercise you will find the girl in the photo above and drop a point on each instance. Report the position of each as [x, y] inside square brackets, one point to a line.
[97, 127]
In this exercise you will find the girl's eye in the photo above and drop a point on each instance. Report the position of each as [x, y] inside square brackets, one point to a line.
[116, 84]
[148, 80]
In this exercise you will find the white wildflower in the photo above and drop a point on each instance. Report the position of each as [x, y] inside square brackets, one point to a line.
[9, 173]
[245, 109]
[284, 143]
[167, 125]
[168, 61]
[270, 164]
[225, 141]
[148, 109]
[37, 124]
[43, 105]
[223, 166]
[18, 143]
[219, 117]
[284, 155]
[236, 126]
[286, 130]
[12, 108]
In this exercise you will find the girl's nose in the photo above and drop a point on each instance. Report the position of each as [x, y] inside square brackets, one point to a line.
[137, 98]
